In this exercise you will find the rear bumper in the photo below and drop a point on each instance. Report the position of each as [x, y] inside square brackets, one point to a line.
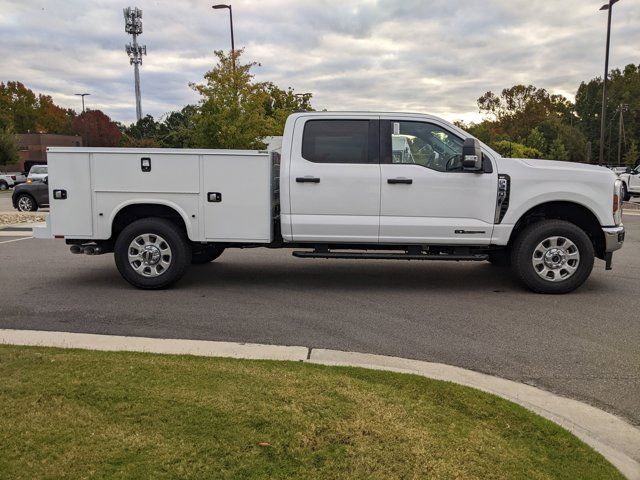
[613, 238]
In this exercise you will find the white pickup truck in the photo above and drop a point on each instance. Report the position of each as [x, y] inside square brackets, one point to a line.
[630, 183]
[343, 186]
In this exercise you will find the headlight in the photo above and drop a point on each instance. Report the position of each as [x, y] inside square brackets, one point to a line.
[617, 202]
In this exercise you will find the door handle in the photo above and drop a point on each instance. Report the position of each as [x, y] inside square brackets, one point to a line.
[393, 181]
[307, 180]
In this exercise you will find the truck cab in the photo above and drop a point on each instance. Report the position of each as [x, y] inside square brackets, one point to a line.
[343, 185]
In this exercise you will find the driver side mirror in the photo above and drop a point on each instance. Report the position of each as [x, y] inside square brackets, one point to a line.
[471, 155]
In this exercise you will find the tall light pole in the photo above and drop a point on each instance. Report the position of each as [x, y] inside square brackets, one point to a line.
[82, 95]
[233, 48]
[609, 8]
[133, 26]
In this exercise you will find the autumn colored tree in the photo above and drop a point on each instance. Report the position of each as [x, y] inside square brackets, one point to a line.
[96, 129]
[31, 112]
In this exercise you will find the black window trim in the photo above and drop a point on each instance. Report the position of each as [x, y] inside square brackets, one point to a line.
[373, 145]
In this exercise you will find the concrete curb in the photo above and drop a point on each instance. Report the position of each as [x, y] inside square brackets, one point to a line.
[611, 436]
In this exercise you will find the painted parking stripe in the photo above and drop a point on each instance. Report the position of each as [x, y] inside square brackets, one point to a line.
[16, 239]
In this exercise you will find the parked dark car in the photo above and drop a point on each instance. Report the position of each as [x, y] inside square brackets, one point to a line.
[28, 197]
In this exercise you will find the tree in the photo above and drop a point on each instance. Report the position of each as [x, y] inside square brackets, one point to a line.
[96, 129]
[237, 112]
[515, 150]
[9, 148]
[519, 109]
[623, 88]
[557, 150]
[632, 156]
[536, 140]
[28, 112]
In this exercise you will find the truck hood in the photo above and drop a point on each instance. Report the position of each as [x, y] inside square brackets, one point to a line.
[556, 166]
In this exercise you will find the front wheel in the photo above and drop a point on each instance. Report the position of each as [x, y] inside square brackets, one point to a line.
[152, 253]
[553, 256]
[26, 203]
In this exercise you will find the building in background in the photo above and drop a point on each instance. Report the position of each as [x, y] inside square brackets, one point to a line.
[33, 147]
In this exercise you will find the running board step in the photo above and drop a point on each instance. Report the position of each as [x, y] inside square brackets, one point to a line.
[391, 256]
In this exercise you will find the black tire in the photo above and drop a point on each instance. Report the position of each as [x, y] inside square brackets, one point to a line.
[3, 185]
[500, 258]
[26, 203]
[175, 239]
[625, 193]
[202, 254]
[532, 236]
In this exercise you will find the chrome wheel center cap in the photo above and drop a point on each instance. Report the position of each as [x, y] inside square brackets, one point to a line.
[555, 258]
[150, 255]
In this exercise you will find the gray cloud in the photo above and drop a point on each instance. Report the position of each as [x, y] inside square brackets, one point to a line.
[434, 56]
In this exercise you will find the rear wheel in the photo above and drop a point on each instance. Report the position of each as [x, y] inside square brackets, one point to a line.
[152, 253]
[553, 256]
[26, 203]
[3, 185]
[205, 254]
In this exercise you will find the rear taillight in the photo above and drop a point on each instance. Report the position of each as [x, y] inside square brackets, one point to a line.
[13, 177]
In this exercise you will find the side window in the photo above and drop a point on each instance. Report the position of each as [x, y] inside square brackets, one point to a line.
[336, 141]
[427, 145]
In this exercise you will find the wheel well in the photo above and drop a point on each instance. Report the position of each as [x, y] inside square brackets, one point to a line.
[571, 212]
[134, 212]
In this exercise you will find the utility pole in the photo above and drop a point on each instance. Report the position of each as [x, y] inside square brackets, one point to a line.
[609, 8]
[133, 26]
[621, 109]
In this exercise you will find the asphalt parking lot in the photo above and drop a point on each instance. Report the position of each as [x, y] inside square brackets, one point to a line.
[585, 345]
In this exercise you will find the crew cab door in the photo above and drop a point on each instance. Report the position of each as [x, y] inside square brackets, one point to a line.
[426, 197]
[334, 180]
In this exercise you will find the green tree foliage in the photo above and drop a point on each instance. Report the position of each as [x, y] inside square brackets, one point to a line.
[9, 149]
[235, 111]
[623, 88]
[28, 112]
[515, 150]
[536, 140]
[632, 157]
[519, 109]
[557, 151]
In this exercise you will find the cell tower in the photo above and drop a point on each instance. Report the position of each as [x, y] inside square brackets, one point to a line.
[133, 26]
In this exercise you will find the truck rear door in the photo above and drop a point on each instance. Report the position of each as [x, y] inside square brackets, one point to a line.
[334, 179]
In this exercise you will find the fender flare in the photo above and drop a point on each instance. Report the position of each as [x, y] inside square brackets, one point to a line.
[145, 201]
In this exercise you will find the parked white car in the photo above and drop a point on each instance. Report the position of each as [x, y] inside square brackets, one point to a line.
[630, 183]
[38, 173]
[339, 190]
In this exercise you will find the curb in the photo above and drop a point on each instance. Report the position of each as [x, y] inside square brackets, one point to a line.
[612, 437]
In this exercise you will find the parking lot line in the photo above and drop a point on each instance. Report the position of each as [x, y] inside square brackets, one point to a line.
[15, 239]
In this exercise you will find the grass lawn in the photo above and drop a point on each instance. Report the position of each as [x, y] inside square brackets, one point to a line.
[81, 414]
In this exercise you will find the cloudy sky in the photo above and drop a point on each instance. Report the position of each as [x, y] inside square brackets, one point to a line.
[435, 56]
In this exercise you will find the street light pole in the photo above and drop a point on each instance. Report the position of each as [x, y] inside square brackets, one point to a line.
[609, 8]
[82, 95]
[233, 48]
